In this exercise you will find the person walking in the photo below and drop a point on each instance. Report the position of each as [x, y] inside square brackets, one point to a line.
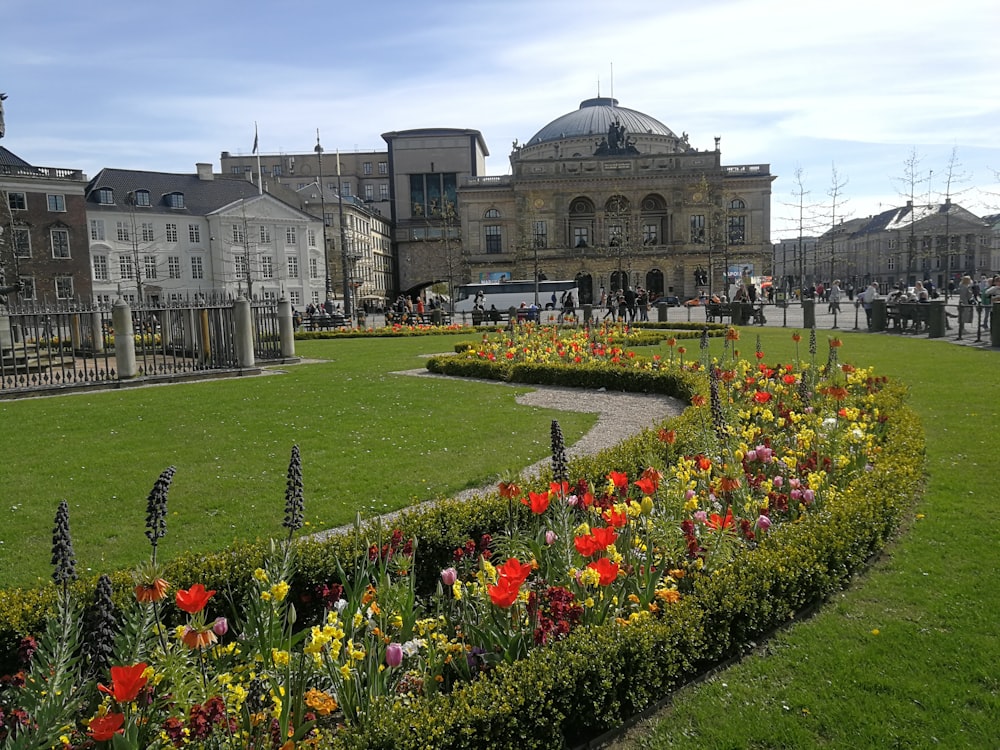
[967, 299]
[833, 300]
[866, 298]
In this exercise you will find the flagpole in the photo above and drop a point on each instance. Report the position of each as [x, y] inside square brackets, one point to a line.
[256, 150]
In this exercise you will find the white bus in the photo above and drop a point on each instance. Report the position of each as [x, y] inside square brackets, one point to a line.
[507, 294]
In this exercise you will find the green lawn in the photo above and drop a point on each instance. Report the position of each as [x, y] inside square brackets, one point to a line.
[909, 656]
[371, 441]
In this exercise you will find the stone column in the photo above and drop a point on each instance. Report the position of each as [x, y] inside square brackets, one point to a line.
[243, 332]
[121, 319]
[97, 331]
[286, 329]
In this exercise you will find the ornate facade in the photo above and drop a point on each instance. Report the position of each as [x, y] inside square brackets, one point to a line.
[614, 198]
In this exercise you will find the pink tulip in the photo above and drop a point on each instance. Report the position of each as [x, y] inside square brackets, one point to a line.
[763, 522]
[449, 576]
[393, 655]
[220, 626]
[550, 537]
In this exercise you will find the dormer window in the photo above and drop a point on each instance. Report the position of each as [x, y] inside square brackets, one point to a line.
[141, 197]
[175, 200]
[106, 196]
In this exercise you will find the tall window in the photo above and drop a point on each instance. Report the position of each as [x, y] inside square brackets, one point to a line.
[124, 231]
[106, 196]
[194, 233]
[17, 201]
[293, 267]
[541, 231]
[149, 266]
[345, 189]
[698, 229]
[494, 240]
[197, 267]
[737, 230]
[431, 193]
[367, 167]
[383, 167]
[22, 242]
[174, 266]
[171, 233]
[383, 192]
[240, 266]
[267, 267]
[311, 237]
[238, 236]
[57, 202]
[581, 236]
[27, 288]
[891, 263]
[101, 267]
[369, 192]
[290, 237]
[295, 298]
[147, 231]
[649, 234]
[614, 235]
[126, 271]
[314, 268]
[60, 243]
[265, 234]
[64, 287]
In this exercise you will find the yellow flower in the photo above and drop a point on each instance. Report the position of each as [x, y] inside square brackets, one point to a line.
[279, 591]
[280, 658]
[261, 575]
[456, 591]
[345, 671]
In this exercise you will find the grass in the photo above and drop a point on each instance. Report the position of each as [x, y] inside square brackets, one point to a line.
[371, 441]
[907, 657]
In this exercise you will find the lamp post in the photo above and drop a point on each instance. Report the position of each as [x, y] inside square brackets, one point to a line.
[328, 287]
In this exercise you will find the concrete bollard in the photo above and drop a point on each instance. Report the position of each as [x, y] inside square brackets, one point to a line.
[286, 329]
[121, 319]
[243, 335]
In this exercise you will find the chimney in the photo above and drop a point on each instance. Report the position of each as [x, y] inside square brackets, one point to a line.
[204, 171]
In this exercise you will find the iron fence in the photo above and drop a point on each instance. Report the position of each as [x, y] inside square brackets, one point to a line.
[57, 346]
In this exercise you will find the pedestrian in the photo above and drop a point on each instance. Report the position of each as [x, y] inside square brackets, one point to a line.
[833, 300]
[866, 298]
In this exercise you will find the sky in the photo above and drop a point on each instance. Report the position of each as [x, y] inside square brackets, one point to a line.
[883, 99]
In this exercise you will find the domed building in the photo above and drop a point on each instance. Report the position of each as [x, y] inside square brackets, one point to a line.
[614, 198]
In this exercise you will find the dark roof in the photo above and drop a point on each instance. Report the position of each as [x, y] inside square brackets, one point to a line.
[594, 118]
[8, 159]
[201, 197]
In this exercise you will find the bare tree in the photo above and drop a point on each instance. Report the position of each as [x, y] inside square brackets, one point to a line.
[837, 212]
[806, 221]
[910, 180]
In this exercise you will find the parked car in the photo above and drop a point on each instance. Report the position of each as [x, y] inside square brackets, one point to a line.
[672, 301]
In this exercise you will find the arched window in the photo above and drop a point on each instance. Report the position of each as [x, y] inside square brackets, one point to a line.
[737, 205]
[492, 214]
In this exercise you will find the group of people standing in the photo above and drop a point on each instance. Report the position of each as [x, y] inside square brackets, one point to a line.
[625, 305]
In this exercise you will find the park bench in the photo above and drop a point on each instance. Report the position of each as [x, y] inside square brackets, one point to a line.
[320, 321]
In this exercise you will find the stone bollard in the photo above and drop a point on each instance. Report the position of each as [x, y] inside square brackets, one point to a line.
[243, 333]
[808, 313]
[588, 314]
[661, 312]
[97, 331]
[880, 317]
[121, 319]
[936, 319]
[995, 323]
[286, 329]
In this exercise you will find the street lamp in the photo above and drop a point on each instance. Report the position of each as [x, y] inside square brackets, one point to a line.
[322, 210]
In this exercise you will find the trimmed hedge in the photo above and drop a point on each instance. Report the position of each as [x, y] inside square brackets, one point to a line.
[598, 678]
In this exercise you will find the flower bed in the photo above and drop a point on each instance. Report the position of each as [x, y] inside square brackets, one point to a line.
[538, 617]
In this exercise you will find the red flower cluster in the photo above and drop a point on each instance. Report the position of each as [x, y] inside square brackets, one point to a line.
[395, 546]
[472, 550]
[202, 719]
[511, 575]
[126, 682]
[597, 541]
[555, 612]
[194, 599]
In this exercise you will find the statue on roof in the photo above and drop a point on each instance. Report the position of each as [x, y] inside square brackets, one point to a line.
[617, 141]
[2, 129]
